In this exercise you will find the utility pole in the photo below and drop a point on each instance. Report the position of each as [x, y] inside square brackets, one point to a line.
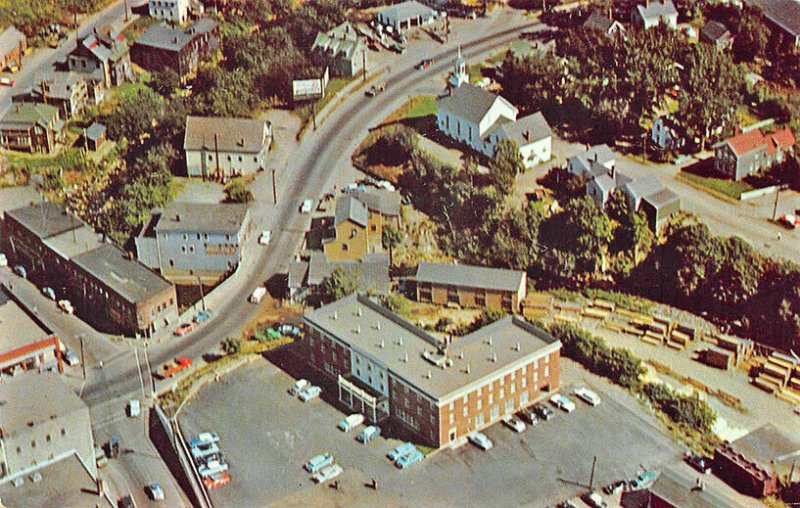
[591, 478]
[363, 65]
[314, 114]
[126, 10]
[274, 190]
[202, 297]
[777, 195]
[83, 361]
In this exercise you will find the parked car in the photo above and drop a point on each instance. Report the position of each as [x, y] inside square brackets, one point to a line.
[203, 315]
[369, 433]
[204, 438]
[530, 416]
[376, 89]
[797, 410]
[401, 450]
[100, 457]
[307, 206]
[595, 500]
[643, 480]
[697, 461]
[424, 64]
[211, 467]
[265, 237]
[257, 294]
[789, 220]
[6, 81]
[587, 396]
[481, 441]
[316, 463]
[327, 473]
[616, 487]
[298, 386]
[514, 423]
[310, 393]
[217, 480]
[544, 412]
[351, 421]
[3, 260]
[562, 402]
[408, 460]
[66, 306]
[134, 408]
[204, 450]
[184, 328]
[20, 270]
[49, 293]
[155, 491]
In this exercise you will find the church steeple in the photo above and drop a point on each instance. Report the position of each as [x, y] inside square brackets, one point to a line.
[459, 75]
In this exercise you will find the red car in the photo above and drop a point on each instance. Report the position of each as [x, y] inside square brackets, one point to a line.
[789, 220]
[185, 328]
[6, 81]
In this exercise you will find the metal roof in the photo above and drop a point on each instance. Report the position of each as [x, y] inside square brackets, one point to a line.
[679, 488]
[470, 276]
[165, 37]
[242, 135]
[644, 186]
[662, 198]
[372, 272]
[95, 131]
[202, 217]
[26, 114]
[770, 447]
[383, 201]
[397, 344]
[10, 39]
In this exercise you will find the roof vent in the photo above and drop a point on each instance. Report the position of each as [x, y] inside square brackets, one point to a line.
[177, 217]
[490, 341]
[460, 355]
[400, 341]
[494, 357]
[335, 315]
[377, 325]
[517, 347]
[405, 358]
[358, 312]
[358, 328]
[467, 369]
[383, 344]
[429, 375]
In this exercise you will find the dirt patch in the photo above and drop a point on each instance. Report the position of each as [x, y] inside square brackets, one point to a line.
[273, 310]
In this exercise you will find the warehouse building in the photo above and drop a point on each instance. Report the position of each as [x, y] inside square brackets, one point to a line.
[439, 390]
[471, 286]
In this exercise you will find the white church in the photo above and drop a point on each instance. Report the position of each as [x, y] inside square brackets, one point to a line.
[469, 114]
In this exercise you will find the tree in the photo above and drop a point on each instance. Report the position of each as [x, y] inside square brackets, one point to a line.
[752, 36]
[165, 81]
[135, 116]
[506, 164]
[231, 346]
[391, 239]
[237, 192]
[341, 283]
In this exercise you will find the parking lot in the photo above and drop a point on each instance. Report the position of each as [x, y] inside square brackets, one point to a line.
[267, 436]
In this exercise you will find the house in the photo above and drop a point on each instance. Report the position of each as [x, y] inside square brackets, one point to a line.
[94, 135]
[174, 11]
[601, 186]
[358, 224]
[783, 14]
[440, 391]
[105, 284]
[749, 152]
[24, 343]
[471, 286]
[717, 34]
[654, 13]
[650, 196]
[187, 242]
[29, 127]
[180, 49]
[372, 272]
[66, 90]
[604, 24]
[104, 55]
[12, 47]
[754, 463]
[343, 50]
[666, 133]
[42, 420]
[224, 147]
[677, 488]
[596, 160]
[405, 15]
[472, 115]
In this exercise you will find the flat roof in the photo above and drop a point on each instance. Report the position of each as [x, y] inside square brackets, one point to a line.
[33, 398]
[75, 241]
[388, 339]
[770, 447]
[129, 278]
[203, 217]
[679, 488]
[45, 219]
[17, 328]
[470, 276]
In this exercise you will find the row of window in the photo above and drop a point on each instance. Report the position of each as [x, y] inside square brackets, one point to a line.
[49, 438]
[230, 158]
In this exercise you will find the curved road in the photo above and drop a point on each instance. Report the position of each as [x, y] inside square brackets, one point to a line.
[319, 153]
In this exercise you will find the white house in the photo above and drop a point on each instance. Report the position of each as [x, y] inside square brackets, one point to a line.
[533, 136]
[224, 147]
[176, 11]
[654, 13]
[594, 161]
[406, 15]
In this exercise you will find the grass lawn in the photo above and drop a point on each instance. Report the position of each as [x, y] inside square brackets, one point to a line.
[716, 186]
[418, 106]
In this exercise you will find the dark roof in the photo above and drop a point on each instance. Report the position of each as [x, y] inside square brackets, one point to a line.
[784, 13]
[95, 131]
[128, 278]
[350, 208]
[598, 21]
[608, 184]
[45, 219]
[714, 30]
[380, 200]
[165, 37]
[470, 276]
[470, 102]
[298, 271]
[527, 130]
[679, 488]
[770, 447]
[372, 272]
[202, 217]
[10, 39]
[23, 115]
[232, 134]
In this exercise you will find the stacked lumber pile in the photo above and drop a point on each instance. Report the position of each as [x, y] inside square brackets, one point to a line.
[780, 374]
[718, 358]
[537, 305]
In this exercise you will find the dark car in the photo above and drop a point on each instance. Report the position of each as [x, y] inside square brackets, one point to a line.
[613, 488]
[697, 461]
[529, 415]
[543, 412]
[126, 502]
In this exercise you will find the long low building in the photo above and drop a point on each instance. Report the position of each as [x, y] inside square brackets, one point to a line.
[471, 286]
[24, 345]
[105, 284]
[441, 391]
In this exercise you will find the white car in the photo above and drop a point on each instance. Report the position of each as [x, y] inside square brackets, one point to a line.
[514, 423]
[66, 306]
[265, 237]
[155, 491]
[562, 403]
[327, 473]
[481, 441]
[307, 205]
[587, 396]
[3, 260]
[298, 386]
[310, 393]
[212, 467]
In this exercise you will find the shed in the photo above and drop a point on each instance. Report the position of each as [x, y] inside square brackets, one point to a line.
[94, 135]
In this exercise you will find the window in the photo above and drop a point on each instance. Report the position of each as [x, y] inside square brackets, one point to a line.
[466, 410]
[19, 449]
[452, 406]
[523, 398]
[479, 421]
[374, 227]
[535, 377]
[191, 248]
[546, 371]
[480, 405]
[452, 419]
[513, 388]
[502, 393]
[495, 412]
[524, 382]
[509, 405]
[491, 398]
[345, 247]
[353, 233]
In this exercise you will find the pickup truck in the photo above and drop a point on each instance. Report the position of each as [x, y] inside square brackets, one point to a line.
[170, 369]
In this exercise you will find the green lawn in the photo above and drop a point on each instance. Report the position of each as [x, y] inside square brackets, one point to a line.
[716, 186]
[421, 105]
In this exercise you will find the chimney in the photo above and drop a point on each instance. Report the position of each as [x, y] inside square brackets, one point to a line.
[383, 344]
[596, 156]
[335, 315]
[467, 369]
[429, 375]
[405, 357]
[174, 40]
[400, 341]
[490, 340]
[527, 135]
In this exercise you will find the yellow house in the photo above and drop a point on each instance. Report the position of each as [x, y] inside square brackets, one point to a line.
[358, 224]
